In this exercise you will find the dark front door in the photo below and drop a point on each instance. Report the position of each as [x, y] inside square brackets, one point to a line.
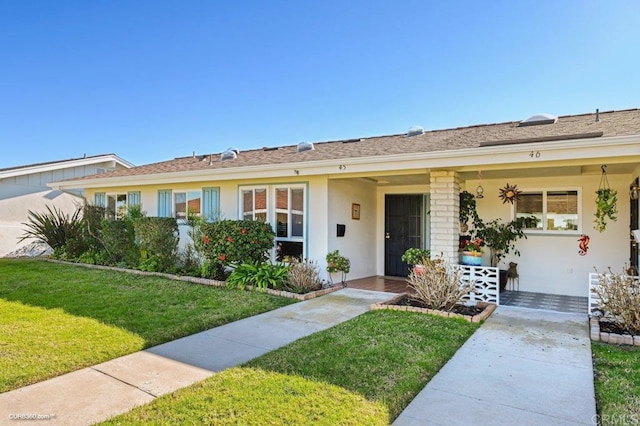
[404, 222]
[635, 221]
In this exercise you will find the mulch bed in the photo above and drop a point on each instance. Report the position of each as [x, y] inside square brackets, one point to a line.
[458, 309]
[203, 281]
[612, 327]
[612, 332]
[405, 302]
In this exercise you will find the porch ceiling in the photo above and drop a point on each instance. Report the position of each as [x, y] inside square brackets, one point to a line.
[421, 177]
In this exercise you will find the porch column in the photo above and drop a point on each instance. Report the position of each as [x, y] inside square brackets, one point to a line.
[445, 208]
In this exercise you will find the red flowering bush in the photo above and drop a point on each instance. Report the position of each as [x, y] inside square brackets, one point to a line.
[234, 241]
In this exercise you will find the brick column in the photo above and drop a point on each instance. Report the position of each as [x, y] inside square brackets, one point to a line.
[445, 208]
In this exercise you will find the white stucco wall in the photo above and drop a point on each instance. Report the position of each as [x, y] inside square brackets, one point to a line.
[316, 214]
[359, 241]
[551, 263]
[14, 211]
[29, 191]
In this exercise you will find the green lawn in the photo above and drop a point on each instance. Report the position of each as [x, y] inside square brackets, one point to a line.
[364, 371]
[57, 318]
[617, 382]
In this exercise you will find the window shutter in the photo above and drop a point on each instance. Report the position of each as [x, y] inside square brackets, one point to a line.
[133, 198]
[211, 203]
[100, 199]
[164, 203]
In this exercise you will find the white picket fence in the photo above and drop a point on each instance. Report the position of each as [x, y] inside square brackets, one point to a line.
[594, 300]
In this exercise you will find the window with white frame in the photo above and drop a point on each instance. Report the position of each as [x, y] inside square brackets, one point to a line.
[186, 203]
[180, 204]
[283, 206]
[554, 210]
[254, 204]
[116, 204]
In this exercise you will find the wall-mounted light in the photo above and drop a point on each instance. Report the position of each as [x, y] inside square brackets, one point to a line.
[634, 191]
[479, 189]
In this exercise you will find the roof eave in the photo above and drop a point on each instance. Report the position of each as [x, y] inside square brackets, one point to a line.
[64, 164]
[448, 158]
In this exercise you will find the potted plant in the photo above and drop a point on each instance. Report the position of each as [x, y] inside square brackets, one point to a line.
[501, 238]
[472, 252]
[338, 263]
[415, 256]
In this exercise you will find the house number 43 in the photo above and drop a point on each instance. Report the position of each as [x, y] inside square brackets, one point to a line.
[534, 154]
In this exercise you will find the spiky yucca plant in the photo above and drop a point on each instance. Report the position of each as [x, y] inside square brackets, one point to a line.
[53, 227]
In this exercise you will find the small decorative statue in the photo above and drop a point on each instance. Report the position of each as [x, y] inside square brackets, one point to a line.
[512, 276]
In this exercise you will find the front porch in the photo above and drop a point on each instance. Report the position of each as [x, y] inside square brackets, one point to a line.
[522, 299]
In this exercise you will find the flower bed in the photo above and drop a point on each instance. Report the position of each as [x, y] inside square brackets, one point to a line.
[615, 337]
[205, 281]
[402, 302]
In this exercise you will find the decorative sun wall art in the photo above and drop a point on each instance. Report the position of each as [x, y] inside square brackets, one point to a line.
[509, 194]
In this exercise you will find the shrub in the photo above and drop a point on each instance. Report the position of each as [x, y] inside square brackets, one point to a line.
[438, 284]
[53, 227]
[92, 217]
[620, 299]
[91, 257]
[118, 241]
[158, 237]
[304, 276]
[235, 241]
[189, 261]
[414, 256]
[242, 276]
[150, 264]
[338, 263]
[258, 275]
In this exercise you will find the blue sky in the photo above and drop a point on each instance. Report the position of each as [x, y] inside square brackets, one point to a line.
[154, 80]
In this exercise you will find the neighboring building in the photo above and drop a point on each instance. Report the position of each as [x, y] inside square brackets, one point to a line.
[25, 188]
[396, 191]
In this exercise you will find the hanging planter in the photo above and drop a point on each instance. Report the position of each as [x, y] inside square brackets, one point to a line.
[467, 211]
[606, 203]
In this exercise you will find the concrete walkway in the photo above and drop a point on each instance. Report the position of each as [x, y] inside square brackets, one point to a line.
[522, 367]
[94, 394]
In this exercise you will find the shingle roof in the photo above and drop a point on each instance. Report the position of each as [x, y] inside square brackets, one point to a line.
[47, 163]
[611, 123]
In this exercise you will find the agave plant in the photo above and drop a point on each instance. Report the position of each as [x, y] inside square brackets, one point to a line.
[53, 227]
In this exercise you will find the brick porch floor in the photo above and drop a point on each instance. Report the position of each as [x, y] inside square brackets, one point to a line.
[388, 284]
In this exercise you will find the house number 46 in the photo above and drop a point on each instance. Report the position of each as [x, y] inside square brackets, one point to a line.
[535, 154]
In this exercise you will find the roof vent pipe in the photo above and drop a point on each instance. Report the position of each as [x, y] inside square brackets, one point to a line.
[597, 115]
